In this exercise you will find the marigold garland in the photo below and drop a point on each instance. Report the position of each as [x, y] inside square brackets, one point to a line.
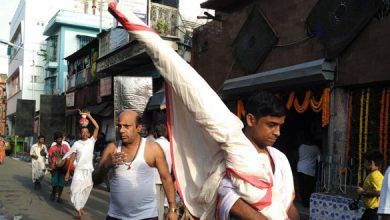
[386, 126]
[240, 109]
[317, 106]
[325, 107]
[290, 100]
[367, 104]
[381, 120]
[348, 142]
[360, 136]
[302, 108]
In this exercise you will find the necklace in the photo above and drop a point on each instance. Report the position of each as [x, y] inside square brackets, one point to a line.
[128, 164]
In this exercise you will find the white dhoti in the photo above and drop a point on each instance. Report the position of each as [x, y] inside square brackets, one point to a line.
[81, 187]
[38, 169]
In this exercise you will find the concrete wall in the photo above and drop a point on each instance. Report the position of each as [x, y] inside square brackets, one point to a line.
[366, 60]
[287, 18]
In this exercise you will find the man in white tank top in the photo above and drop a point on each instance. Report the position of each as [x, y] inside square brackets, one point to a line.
[133, 192]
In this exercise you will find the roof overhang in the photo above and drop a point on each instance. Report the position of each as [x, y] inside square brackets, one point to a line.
[306, 74]
[224, 5]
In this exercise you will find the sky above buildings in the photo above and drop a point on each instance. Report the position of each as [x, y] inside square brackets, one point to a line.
[190, 9]
[7, 10]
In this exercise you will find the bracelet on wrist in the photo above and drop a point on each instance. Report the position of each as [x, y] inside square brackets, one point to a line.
[173, 209]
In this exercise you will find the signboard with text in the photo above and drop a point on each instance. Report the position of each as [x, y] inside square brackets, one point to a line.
[138, 7]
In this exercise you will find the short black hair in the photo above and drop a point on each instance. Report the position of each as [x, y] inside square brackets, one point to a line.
[161, 130]
[263, 104]
[375, 156]
[57, 135]
[41, 136]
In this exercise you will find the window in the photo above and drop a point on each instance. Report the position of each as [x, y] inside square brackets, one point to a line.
[84, 40]
[14, 84]
[52, 44]
[17, 40]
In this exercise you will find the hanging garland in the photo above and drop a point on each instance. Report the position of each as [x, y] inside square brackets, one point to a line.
[360, 136]
[386, 128]
[381, 120]
[302, 108]
[240, 109]
[366, 119]
[317, 106]
[348, 143]
[290, 100]
[326, 107]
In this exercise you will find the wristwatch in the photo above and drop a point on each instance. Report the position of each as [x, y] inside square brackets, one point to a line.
[173, 209]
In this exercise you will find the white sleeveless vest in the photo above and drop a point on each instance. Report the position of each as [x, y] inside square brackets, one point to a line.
[133, 192]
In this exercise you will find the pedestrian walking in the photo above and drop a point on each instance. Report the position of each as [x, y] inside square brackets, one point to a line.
[133, 191]
[162, 140]
[38, 154]
[56, 152]
[82, 152]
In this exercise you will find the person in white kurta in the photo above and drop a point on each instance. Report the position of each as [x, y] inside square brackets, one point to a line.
[82, 151]
[38, 161]
[162, 133]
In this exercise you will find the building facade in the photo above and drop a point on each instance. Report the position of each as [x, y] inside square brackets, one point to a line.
[66, 33]
[27, 56]
[293, 49]
[3, 105]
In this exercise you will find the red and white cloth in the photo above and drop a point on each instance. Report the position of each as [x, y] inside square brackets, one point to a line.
[205, 136]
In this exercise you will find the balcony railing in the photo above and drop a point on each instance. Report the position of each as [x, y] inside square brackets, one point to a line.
[164, 19]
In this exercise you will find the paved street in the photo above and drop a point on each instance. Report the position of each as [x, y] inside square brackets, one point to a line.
[18, 197]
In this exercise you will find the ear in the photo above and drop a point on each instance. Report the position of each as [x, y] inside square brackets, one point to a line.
[250, 120]
[139, 128]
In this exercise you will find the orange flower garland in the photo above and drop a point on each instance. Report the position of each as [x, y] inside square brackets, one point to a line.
[348, 143]
[290, 100]
[240, 109]
[317, 106]
[386, 126]
[360, 137]
[381, 120]
[325, 107]
[366, 119]
[302, 108]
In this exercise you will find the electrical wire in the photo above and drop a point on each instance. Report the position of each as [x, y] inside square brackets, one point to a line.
[296, 42]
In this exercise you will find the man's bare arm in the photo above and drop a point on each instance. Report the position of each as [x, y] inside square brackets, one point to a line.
[242, 210]
[105, 164]
[95, 124]
[166, 179]
[293, 213]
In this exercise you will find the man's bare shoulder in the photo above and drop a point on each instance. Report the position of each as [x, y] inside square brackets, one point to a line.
[152, 145]
[152, 150]
[111, 147]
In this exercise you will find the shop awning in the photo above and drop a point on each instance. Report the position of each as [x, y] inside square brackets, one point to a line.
[104, 109]
[306, 74]
[157, 101]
